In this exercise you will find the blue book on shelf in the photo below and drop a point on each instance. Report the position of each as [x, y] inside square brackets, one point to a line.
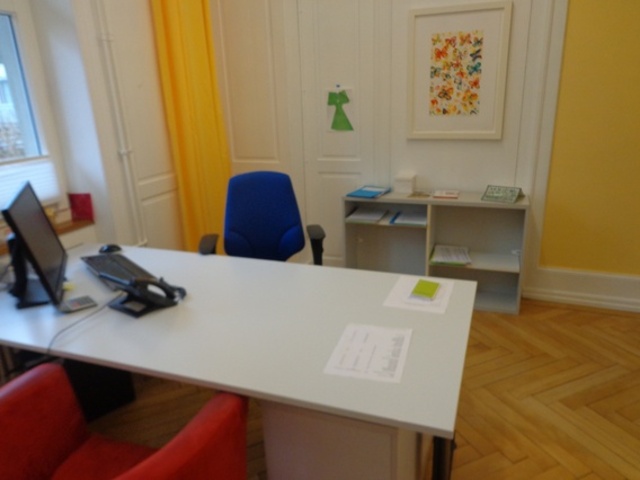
[369, 191]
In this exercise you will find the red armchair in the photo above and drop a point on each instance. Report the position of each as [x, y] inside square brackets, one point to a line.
[43, 435]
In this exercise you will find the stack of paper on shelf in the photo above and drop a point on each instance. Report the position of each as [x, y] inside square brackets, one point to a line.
[366, 215]
[446, 194]
[450, 255]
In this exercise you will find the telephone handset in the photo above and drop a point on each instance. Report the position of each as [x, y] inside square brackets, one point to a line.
[148, 289]
[145, 294]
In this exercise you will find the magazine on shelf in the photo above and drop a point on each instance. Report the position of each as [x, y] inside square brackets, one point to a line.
[450, 255]
[412, 219]
[369, 191]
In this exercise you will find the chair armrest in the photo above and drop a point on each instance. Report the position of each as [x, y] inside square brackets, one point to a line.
[316, 236]
[208, 244]
[41, 423]
[212, 445]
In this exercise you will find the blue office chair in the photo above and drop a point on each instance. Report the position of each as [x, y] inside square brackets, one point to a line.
[262, 220]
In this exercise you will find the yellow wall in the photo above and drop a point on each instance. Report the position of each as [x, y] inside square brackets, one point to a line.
[592, 219]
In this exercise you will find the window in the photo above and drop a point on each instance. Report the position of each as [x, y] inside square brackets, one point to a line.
[18, 135]
[23, 150]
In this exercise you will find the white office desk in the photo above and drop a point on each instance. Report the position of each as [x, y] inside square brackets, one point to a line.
[266, 330]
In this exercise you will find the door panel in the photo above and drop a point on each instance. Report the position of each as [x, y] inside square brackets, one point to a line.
[278, 61]
[138, 115]
[343, 47]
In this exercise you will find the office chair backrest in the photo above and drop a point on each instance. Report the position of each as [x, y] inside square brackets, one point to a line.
[262, 217]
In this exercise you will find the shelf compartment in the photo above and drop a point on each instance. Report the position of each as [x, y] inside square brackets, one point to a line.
[479, 229]
[496, 302]
[387, 249]
[391, 210]
[385, 221]
[497, 291]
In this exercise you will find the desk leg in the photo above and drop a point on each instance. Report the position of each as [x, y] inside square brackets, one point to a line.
[442, 458]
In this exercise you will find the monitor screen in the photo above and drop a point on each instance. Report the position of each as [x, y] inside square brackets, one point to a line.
[34, 242]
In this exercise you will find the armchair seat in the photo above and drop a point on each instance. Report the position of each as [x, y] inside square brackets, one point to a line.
[43, 435]
[100, 458]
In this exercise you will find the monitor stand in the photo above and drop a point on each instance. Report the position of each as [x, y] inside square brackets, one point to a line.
[28, 291]
[32, 295]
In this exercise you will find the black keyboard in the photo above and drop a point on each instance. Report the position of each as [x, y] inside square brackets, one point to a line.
[115, 266]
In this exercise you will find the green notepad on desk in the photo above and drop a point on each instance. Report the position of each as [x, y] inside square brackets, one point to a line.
[425, 289]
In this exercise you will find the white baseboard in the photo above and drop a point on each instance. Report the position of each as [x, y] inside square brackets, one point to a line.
[602, 290]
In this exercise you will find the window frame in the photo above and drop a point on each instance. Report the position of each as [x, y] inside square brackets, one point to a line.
[35, 79]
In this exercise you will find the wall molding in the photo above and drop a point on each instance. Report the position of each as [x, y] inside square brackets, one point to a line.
[595, 289]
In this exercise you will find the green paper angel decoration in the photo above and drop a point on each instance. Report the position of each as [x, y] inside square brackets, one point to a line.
[340, 120]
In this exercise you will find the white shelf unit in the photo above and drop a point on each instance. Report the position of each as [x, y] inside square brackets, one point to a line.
[493, 232]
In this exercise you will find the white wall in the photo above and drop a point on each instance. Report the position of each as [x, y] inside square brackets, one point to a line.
[67, 80]
[103, 75]
[461, 164]
[303, 48]
[277, 58]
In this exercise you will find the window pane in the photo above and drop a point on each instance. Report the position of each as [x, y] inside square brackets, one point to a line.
[41, 174]
[18, 135]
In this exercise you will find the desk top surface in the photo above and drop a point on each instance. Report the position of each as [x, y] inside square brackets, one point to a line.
[263, 329]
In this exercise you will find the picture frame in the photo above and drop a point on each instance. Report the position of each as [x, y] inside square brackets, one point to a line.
[457, 70]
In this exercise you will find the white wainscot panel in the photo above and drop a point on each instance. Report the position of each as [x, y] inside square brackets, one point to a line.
[250, 86]
[160, 214]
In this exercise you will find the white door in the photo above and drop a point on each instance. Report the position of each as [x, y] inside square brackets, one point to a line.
[134, 94]
[278, 62]
[101, 68]
[344, 63]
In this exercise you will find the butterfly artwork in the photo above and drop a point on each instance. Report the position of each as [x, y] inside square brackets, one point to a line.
[475, 68]
[445, 93]
[465, 38]
[441, 53]
[455, 73]
[476, 54]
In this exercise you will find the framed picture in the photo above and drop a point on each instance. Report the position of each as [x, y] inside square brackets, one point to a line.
[457, 70]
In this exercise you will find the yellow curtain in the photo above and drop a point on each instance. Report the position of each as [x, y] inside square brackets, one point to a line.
[184, 44]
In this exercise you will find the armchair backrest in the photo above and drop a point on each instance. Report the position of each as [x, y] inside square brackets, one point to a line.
[38, 413]
[43, 434]
[262, 218]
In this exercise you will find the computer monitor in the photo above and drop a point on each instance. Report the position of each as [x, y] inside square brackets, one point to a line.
[34, 241]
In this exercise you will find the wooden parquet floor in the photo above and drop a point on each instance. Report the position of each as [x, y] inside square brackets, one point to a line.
[551, 393]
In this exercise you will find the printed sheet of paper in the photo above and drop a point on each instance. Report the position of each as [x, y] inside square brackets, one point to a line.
[401, 297]
[370, 352]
